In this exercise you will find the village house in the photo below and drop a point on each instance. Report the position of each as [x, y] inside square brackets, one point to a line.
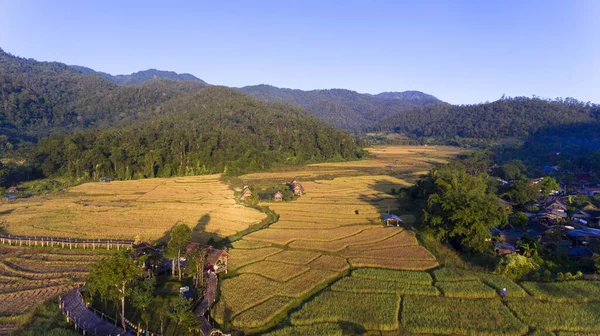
[296, 187]
[246, 193]
[216, 259]
[12, 189]
[278, 197]
[591, 192]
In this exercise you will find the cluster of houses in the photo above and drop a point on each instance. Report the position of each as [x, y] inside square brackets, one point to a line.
[294, 186]
[570, 232]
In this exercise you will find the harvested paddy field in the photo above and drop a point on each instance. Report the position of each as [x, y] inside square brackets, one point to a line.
[335, 225]
[30, 276]
[123, 209]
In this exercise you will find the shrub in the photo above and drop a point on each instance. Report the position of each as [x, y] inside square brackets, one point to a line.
[515, 266]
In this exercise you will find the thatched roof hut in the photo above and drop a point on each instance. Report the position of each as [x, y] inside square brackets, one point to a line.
[278, 196]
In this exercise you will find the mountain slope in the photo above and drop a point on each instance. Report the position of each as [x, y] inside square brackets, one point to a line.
[512, 117]
[215, 130]
[140, 76]
[39, 98]
[345, 109]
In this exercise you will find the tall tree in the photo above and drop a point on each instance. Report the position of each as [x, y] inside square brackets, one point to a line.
[548, 185]
[180, 238]
[111, 277]
[462, 208]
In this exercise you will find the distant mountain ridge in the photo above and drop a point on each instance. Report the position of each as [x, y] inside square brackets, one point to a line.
[343, 108]
[140, 76]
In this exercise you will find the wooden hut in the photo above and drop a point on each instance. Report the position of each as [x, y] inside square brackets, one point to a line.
[216, 259]
[297, 188]
[278, 197]
[392, 220]
[246, 193]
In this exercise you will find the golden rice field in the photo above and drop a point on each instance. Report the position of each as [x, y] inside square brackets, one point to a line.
[123, 209]
[30, 276]
[335, 225]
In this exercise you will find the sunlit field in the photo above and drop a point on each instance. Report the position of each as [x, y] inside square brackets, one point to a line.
[123, 209]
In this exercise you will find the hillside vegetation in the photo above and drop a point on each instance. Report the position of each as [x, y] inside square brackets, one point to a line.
[345, 109]
[509, 117]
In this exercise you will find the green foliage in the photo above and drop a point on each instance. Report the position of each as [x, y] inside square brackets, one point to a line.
[180, 310]
[440, 315]
[509, 117]
[362, 285]
[512, 170]
[373, 311]
[521, 192]
[216, 130]
[547, 185]
[567, 291]
[181, 235]
[142, 293]
[515, 266]
[47, 319]
[406, 277]
[466, 289]
[344, 108]
[460, 206]
[558, 316]
[520, 219]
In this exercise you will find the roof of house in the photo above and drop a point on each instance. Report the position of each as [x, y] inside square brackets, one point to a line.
[392, 217]
[279, 193]
[555, 201]
[10, 196]
[504, 246]
[212, 254]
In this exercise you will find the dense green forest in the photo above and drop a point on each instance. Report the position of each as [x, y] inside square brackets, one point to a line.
[216, 130]
[40, 98]
[507, 117]
[345, 109]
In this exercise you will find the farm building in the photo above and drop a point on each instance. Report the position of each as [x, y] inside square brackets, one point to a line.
[502, 249]
[216, 259]
[296, 187]
[246, 193]
[392, 219]
[104, 179]
[506, 204]
[278, 197]
[12, 189]
[555, 204]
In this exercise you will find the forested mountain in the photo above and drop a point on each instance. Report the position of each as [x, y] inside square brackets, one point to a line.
[39, 98]
[507, 117]
[140, 76]
[345, 109]
[215, 130]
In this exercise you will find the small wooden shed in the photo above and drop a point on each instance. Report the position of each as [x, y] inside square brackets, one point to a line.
[278, 196]
[296, 187]
[392, 219]
[246, 193]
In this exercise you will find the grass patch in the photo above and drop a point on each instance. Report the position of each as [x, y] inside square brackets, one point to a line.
[558, 316]
[565, 291]
[361, 285]
[439, 315]
[466, 290]
[373, 311]
[455, 274]
[324, 329]
[275, 270]
[498, 282]
[263, 313]
[410, 277]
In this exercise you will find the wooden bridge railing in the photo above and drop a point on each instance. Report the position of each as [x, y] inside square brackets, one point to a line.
[65, 242]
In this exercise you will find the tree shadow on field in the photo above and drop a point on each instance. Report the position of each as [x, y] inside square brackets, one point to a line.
[349, 328]
[199, 233]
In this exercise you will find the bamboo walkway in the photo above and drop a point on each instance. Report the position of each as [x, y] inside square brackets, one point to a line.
[84, 319]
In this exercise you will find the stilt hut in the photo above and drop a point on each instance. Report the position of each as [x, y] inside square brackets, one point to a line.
[392, 220]
[246, 193]
[278, 197]
[296, 187]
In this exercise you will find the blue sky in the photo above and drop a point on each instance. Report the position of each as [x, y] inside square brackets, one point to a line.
[460, 51]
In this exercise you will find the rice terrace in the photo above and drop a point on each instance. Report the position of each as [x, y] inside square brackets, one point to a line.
[321, 264]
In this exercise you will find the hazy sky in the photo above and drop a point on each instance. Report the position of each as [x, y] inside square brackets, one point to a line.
[459, 51]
